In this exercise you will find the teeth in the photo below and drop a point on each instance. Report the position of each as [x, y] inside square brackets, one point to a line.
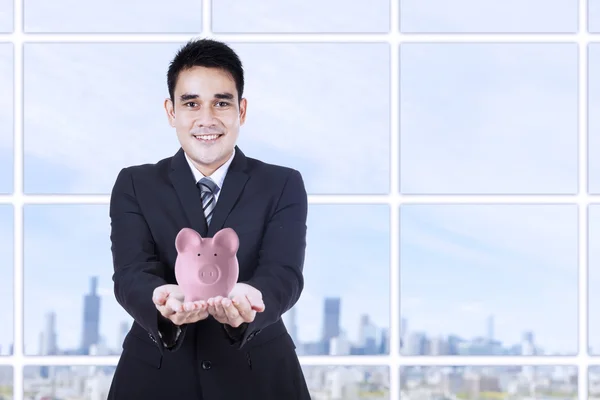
[207, 137]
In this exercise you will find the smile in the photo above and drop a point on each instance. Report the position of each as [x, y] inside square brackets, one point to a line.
[208, 138]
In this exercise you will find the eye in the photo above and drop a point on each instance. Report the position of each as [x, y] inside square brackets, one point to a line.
[215, 254]
[198, 254]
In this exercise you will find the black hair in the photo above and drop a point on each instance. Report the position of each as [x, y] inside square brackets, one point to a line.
[206, 53]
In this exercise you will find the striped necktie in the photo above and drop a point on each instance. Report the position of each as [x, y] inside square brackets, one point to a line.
[208, 190]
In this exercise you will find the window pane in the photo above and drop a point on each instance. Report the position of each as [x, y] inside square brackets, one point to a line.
[330, 318]
[296, 113]
[6, 383]
[594, 382]
[324, 16]
[489, 16]
[348, 382]
[80, 314]
[93, 382]
[593, 16]
[489, 118]
[593, 118]
[483, 279]
[77, 382]
[6, 283]
[135, 16]
[6, 16]
[594, 278]
[474, 382]
[6, 117]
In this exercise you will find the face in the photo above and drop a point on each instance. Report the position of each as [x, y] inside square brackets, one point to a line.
[206, 116]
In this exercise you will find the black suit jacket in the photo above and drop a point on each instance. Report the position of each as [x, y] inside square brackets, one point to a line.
[267, 207]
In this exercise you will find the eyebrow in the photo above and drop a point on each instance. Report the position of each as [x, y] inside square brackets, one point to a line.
[191, 96]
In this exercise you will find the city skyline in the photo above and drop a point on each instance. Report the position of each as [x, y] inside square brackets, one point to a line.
[48, 231]
[439, 237]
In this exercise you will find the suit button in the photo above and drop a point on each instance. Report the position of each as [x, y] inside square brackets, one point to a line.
[206, 365]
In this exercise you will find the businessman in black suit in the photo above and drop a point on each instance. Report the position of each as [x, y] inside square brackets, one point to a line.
[226, 348]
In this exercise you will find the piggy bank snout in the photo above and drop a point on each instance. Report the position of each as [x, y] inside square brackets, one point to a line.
[209, 274]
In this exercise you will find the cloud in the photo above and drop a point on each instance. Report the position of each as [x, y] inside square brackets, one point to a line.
[300, 16]
[489, 118]
[489, 16]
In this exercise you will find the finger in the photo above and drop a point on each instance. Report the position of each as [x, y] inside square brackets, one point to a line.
[244, 308]
[165, 311]
[211, 307]
[231, 311]
[219, 310]
[160, 296]
[174, 304]
[256, 303]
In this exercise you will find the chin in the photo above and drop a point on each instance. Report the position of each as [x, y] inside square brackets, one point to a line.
[209, 156]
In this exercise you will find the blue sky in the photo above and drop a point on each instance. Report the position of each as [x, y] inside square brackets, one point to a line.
[508, 112]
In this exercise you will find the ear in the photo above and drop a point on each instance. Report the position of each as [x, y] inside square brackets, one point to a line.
[170, 110]
[227, 239]
[187, 238]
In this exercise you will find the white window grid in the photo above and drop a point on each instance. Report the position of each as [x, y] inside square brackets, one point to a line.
[393, 199]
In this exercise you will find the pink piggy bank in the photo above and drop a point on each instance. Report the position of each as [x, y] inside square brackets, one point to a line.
[206, 267]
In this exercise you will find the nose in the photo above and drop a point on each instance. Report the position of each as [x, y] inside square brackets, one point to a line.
[204, 117]
[208, 274]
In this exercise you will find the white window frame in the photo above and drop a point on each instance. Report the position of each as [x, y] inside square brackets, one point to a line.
[18, 360]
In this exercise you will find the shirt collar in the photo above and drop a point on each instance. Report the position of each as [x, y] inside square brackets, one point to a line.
[217, 177]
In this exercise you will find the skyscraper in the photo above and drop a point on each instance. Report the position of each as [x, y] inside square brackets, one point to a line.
[91, 318]
[331, 321]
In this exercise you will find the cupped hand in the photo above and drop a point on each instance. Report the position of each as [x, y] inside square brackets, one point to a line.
[241, 306]
[170, 302]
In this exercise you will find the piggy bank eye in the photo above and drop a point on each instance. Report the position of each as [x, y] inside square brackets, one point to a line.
[198, 254]
[215, 254]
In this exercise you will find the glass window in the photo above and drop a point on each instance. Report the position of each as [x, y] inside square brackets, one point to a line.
[299, 114]
[6, 16]
[483, 118]
[330, 318]
[593, 118]
[489, 16]
[79, 315]
[318, 16]
[594, 278]
[6, 283]
[489, 280]
[112, 16]
[477, 382]
[6, 117]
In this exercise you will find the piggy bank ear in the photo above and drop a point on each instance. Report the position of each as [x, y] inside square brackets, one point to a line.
[227, 239]
[187, 239]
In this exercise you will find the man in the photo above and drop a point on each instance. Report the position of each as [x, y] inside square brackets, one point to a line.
[226, 348]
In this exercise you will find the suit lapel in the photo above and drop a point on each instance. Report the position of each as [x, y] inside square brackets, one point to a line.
[183, 181]
[233, 185]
